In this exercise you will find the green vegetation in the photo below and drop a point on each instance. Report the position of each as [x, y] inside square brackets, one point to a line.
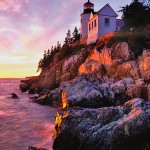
[138, 39]
[136, 14]
[72, 39]
[136, 30]
[136, 33]
[69, 50]
[64, 50]
[48, 56]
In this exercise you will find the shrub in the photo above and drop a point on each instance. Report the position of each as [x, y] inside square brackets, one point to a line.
[138, 39]
[68, 50]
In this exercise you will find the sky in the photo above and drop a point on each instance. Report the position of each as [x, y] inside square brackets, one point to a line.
[28, 27]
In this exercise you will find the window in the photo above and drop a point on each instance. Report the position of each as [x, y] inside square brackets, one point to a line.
[107, 22]
[89, 27]
[81, 20]
[94, 23]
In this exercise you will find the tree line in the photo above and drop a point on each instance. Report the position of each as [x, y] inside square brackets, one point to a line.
[136, 14]
[49, 54]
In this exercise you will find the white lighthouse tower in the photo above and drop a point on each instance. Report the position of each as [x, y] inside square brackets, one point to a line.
[84, 17]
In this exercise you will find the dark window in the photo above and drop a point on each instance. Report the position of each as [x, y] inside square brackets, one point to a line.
[107, 22]
[81, 20]
[94, 23]
[89, 27]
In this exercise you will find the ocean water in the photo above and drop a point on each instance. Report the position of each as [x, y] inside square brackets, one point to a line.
[23, 123]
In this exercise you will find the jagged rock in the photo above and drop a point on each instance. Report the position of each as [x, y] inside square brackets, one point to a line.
[92, 67]
[14, 95]
[128, 81]
[85, 91]
[48, 97]
[44, 99]
[60, 71]
[71, 65]
[24, 87]
[127, 69]
[47, 79]
[108, 62]
[116, 128]
[103, 57]
[29, 82]
[56, 96]
[90, 91]
[31, 90]
[139, 81]
[144, 65]
[93, 92]
[33, 98]
[135, 91]
[122, 51]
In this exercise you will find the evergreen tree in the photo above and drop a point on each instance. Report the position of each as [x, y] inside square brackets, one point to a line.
[75, 35]
[48, 57]
[58, 46]
[48, 53]
[44, 59]
[135, 15]
[52, 50]
[55, 49]
[68, 38]
[40, 65]
[66, 42]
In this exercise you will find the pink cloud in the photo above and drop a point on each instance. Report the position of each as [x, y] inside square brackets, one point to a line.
[34, 26]
[11, 5]
[5, 44]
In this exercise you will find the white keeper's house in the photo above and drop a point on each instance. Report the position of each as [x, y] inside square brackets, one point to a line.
[95, 24]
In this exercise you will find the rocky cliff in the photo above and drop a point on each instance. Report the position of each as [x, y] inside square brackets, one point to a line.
[123, 128]
[105, 98]
[107, 66]
[56, 73]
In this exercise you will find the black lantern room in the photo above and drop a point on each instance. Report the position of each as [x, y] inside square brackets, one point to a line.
[88, 7]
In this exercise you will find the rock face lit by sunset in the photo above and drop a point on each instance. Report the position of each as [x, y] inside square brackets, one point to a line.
[74, 75]
[29, 27]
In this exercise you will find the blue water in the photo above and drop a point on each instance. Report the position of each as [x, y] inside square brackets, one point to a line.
[23, 123]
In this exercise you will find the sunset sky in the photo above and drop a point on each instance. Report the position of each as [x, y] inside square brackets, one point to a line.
[28, 27]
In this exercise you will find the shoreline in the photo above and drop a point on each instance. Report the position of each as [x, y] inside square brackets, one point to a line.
[110, 86]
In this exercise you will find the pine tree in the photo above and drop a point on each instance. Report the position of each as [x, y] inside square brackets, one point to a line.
[40, 65]
[58, 46]
[45, 55]
[135, 15]
[68, 38]
[76, 35]
[48, 53]
[66, 42]
[55, 49]
[52, 50]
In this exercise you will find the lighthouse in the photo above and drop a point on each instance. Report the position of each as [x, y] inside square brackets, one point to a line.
[95, 24]
[84, 17]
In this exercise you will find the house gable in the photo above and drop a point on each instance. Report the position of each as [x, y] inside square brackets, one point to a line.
[107, 11]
